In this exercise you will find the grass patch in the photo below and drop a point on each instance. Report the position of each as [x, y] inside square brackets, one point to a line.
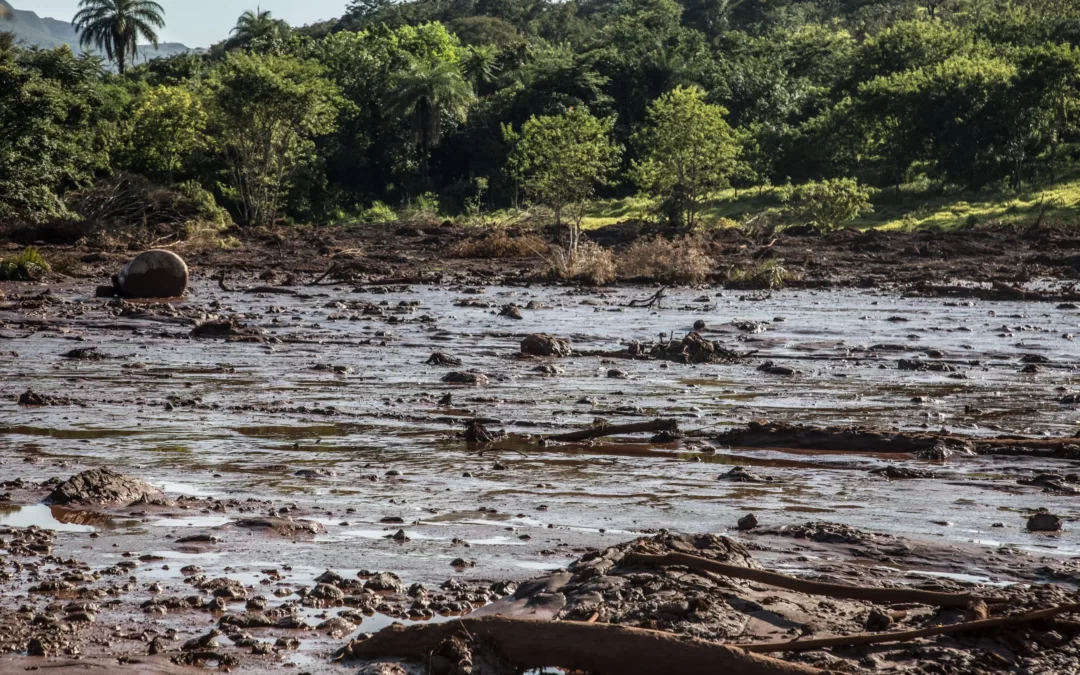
[26, 266]
[913, 206]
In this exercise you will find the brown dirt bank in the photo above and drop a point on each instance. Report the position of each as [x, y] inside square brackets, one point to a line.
[369, 252]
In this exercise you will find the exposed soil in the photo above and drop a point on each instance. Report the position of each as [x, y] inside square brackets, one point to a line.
[256, 475]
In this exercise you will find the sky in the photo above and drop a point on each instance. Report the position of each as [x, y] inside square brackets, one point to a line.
[201, 23]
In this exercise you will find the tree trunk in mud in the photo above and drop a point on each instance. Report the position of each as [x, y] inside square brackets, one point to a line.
[591, 647]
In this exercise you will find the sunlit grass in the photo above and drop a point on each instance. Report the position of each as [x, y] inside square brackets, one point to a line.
[912, 207]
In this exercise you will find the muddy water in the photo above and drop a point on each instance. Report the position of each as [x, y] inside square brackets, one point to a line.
[549, 500]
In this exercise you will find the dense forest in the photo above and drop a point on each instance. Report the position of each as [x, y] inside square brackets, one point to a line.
[467, 106]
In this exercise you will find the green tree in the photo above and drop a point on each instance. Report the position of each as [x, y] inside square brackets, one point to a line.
[168, 124]
[267, 111]
[426, 92]
[116, 26]
[828, 204]
[688, 151]
[480, 65]
[55, 129]
[560, 160]
[259, 24]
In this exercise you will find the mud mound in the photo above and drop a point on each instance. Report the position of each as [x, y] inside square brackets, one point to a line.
[101, 486]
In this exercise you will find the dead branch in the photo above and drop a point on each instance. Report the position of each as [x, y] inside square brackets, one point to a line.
[655, 426]
[575, 645]
[882, 595]
[333, 267]
[904, 636]
[648, 302]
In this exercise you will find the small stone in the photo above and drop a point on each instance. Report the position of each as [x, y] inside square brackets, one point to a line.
[748, 522]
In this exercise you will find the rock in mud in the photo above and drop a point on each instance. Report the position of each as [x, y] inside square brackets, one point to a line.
[470, 378]
[32, 398]
[903, 473]
[286, 527]
[772, 369]
[1044, 522]
[385, 581]
[101, 486]
[511, 312]
[475, 432]
[442, 359]
[84, 354]
[223, 328]
[741, 474]
[542, 344]
[748, 522]
[153, 274]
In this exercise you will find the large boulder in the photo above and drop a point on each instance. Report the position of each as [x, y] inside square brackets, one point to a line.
[153, 274]
[542, 344]
[101, 486]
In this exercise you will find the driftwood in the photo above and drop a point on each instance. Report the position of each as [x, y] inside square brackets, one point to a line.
[904, 636]
[591, 647]
[648, 302]
[883, 595]
[254, 289]
[328, 272]
[656, 426]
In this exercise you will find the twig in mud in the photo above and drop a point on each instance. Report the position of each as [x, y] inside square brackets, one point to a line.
[904, 636]
[333, 267]
[656, 425]
[648, 302]
[883, 595]
[221, 283]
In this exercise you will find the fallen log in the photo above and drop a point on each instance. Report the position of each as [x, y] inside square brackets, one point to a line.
[905, 636]
[882, 595]
[655, 426]
[591, 647]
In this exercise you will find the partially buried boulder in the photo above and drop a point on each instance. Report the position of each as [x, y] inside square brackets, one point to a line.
[153, 274]
[542, 344]
[101, 486]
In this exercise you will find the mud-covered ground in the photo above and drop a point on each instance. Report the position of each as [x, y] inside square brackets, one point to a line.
[846, 258]
[304, 433]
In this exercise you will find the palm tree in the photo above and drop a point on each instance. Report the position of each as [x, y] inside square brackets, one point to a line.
[253, 25]
[480, 64]
[426, 91]
[116, 26]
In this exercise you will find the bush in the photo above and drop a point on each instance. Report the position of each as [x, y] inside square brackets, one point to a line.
[131, 207]
[27, 265]
[590, 262]
[378, 213]
[682, 261]
[498, 244]
[769, 275]
[828, 204]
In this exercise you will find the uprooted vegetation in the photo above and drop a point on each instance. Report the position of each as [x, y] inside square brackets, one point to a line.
[588, 262]
[498, 244]
[132, 209]
[680, 261]
[769, 275]
[29, 264]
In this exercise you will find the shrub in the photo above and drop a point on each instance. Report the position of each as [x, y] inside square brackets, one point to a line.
[498, 244]
[769, 275]
[378, 213]
[27, 265]
[423, 209]
[682, 261]
[828, 204]
[589, 262]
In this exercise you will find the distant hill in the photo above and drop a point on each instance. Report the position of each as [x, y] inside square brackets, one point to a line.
[33, 30]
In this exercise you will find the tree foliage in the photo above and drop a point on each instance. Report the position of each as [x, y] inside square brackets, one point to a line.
[688, 151]
[827, 204]
[116, 26]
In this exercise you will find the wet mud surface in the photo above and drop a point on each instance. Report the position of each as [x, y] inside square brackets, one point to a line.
[286, 434]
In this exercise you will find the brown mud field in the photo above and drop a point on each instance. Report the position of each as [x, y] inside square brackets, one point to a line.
[294, 466]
